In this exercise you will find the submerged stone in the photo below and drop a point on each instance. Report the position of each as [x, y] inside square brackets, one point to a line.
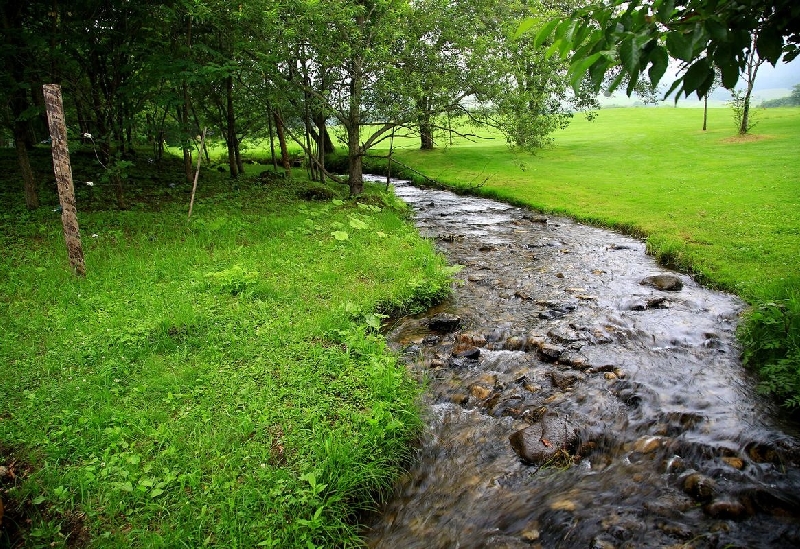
[699, 486]
[444, 323]
[539, 443]
[664, 282]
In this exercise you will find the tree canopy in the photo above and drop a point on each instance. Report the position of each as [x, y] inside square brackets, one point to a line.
[640, 36]
[138, 74]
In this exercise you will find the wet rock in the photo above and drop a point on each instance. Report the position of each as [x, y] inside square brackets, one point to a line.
[675, 464]
[430, 340]
[470, 353]
[664, 282]
[533, 413]
[762, 453]
[772, 502]
[563, 505]
[444, 323]
[475, 340]
[540, 442]
[551, 352]
[598, 543]
[481, 392]
[564, 381]
[534, 342]
[535, 218]
[676, 529]
[735, 462]
[610, 376]
[658, 303]
[574, 360]
[699, 486]
[726, 509]
[412, 350]
[514, 343]
[647, 445]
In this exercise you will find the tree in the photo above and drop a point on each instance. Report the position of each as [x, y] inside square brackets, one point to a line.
[752, 64]
[641, 36]
[20, 45]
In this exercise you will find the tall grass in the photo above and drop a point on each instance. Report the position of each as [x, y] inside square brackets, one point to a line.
[213, 381]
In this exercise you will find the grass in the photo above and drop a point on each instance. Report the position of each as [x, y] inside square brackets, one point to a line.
[724, 208]
[215, 381]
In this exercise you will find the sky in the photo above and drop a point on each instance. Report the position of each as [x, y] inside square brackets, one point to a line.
[771, 83]
[783, 75]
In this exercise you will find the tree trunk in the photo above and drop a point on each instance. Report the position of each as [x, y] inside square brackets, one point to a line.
[239, 161]
[751, 70]
[285, 160]
[745, 126]
[31, 194]
[355, 177]
[705, 112]
[425, 124]
[271, 138]
[63, 173]
[230, 127]
[187, 151]
[326, 143]
[354, 159]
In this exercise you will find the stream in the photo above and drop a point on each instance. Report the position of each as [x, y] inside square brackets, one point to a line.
[580, 395]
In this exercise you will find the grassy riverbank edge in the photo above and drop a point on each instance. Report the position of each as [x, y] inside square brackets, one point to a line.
[217, 381]
[720, 207]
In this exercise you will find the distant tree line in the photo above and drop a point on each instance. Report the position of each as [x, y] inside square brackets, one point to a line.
[792, 100]
[153, 73]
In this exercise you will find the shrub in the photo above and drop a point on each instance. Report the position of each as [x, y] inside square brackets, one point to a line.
[770, 335]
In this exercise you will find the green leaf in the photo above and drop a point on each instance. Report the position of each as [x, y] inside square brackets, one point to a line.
[696, 75]
[578, 70]
[525, 26]
[552, 49]
[659, 59]
[679, 46]
[597, 73]
[769, 44]
[634, 79]
[340, 235]
[630, 52]
[730, 74]
[357, 223]
[544, 33]
[717, 30]
[664, 13]
[337, 202]
[673, 87]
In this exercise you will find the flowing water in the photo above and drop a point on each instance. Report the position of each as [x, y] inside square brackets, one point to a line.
[574, 402]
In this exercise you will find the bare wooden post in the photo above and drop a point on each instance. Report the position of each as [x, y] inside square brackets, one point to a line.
[63, 173]
[197, 173]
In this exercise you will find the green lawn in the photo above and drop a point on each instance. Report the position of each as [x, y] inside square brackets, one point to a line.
[722, 207]
[727, 208]
[213, 381]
